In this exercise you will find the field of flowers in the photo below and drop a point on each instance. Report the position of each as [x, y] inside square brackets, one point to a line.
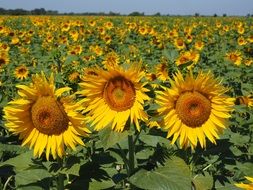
[126, 103]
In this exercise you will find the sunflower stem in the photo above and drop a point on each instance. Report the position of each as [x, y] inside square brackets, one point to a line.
[124, 157]
[131, 158]
[6, 183]
[60, 177]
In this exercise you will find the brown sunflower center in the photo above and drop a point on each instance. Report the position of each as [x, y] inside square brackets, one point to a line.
[119, 93]
[22, 70]
[48, 116]
[193, 108]
[2, 61]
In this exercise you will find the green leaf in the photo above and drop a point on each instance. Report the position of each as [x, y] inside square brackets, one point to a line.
[246, 168]
[203, 182]
[30, 187]
[20, 162]
[94, 185]
[73, 170]
[226, 186]
[174, 175]
[12, 148]
[31, 176]
[109, 137]
[153, 140]
[145, 153]
[238, 139]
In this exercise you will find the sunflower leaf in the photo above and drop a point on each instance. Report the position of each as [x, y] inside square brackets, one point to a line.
[109, 137]
[20, 162]
[203, 182]
[31, 176]
[174, 175]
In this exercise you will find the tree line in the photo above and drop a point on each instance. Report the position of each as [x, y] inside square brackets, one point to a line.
[42, 11]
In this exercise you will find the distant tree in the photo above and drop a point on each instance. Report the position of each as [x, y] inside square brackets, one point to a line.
[19, 12]
[50, 12]
[157, 14]
[136, 13]
[40, 11]
[215, 15]
[196, 14]
[113, 13]
[224, 15]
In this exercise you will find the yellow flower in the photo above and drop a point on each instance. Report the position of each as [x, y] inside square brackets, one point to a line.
[235, 57]
[245, 100]
[248, 62]
[111, 60]
[162, 71]
[65, 26]
[246, 186]
[143, 30]
[194, 108]
[43, 119]
[113, 97]
[97, 50]
[250, 39]
[74, 35]
[75, 50]
[241, 41]
[108, 25]
[21, 72]
[92, 23]
[4, 58]
[15, 40]
[4, 47]
[199, 45]
[74, 76]
[179, 43]
[188, 57]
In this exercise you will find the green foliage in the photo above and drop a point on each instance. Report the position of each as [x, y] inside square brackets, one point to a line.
[173, 175]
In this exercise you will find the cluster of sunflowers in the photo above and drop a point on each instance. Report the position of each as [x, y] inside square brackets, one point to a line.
[123, 74]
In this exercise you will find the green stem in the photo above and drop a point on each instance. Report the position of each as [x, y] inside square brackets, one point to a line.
[6, 183]
[123, 155]
[60, 177]
[131, 152]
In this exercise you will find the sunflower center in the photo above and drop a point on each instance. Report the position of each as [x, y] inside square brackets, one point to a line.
[193, 108]
[2, 61]
[22, 70]
[48, 116]
[119, 93]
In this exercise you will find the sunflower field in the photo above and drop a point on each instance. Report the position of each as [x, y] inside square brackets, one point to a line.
[98, 102]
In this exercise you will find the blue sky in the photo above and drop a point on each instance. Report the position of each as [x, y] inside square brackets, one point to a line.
[184, 7]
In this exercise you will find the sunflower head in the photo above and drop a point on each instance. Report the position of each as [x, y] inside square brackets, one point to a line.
[194, 108]
[21, 72]
[44, 119]
[114, 96]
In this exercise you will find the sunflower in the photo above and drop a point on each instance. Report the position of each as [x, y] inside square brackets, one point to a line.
[199, 45]
[189, 58]
[114, 96]
[111, 60]
[194, 108]
[4, 58]
[21, 72]
[235, 57]
[244, 100]
[246, 186]
[44, 119]
[162, 71]
[179, 43]
[241, 41]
